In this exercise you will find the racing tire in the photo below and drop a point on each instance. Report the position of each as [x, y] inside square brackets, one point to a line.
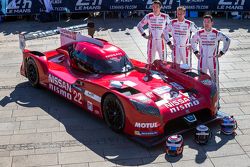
[32, 73]
[113, 112]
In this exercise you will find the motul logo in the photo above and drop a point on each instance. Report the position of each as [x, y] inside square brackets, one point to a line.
[146, 125]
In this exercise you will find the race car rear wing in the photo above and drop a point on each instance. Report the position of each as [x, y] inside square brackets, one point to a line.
[67, 35]
[37, 35]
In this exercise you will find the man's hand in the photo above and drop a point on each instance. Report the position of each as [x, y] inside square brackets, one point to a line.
[171, 46]
[197, 54]
[146, 36]
[220, 54]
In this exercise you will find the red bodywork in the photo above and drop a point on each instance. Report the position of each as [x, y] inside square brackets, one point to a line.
[175, 96]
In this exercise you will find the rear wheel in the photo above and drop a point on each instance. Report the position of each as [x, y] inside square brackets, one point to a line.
[32, 73]
[113, 113]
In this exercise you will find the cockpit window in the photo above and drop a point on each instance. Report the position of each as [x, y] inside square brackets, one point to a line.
[114, 65]
[119, 64]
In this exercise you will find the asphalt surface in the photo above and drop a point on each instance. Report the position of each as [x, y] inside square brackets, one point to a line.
[38, 128]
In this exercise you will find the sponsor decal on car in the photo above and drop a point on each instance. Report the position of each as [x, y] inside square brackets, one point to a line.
[149, 94]
[161, 90]
[60, 86]
[182, 104]
[129, 83]
[142, 98]
[60, 83]
[147, 125]
[174, 94]
[176, 85]
[113, 55]
[207, 82]
[90, 106]
[64, 89]
[167, 96]
[141, 133]
[92, 96]
[156, 76]
[161, 102]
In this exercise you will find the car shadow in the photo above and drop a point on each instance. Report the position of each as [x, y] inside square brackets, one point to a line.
[83, 127]
[93, 133]
[200, 153]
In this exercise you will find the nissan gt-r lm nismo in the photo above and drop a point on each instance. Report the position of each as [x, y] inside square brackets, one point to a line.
[100, 78]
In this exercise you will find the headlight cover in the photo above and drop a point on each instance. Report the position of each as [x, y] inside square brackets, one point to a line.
[144, 108]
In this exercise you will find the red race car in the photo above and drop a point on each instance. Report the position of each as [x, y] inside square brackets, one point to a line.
[101, 79]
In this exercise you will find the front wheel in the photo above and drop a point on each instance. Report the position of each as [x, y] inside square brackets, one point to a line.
[113, 113]
[32, 73]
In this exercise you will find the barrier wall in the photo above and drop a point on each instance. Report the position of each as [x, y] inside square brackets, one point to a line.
[26, 7]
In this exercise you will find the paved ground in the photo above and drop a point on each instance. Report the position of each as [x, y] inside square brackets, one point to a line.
[38, 128]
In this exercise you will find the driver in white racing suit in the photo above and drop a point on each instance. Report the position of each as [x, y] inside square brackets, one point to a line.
[157, 31]
[208, 54]
[181, 30]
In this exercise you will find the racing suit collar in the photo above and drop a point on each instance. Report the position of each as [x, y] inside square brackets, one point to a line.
[157, 15]
[208, 30]
[181, 21]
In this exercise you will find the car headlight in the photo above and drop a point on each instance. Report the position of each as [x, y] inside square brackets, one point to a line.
[144, 108]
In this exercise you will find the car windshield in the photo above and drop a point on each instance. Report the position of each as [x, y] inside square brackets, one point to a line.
[114, 65]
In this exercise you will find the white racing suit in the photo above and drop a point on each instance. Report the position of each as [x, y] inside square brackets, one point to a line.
[208, 48]
[157, 34]
[181, 33]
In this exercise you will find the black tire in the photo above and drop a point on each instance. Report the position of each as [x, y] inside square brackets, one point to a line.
[32, 73]
[113, 112]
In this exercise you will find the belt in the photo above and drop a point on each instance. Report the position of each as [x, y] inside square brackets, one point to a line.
[157, 39]
[182, 46]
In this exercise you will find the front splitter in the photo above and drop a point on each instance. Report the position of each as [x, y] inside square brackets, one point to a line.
[153, 141]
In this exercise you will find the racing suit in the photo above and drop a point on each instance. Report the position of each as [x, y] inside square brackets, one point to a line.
[181, 32]
[157, 34]
[208, 48]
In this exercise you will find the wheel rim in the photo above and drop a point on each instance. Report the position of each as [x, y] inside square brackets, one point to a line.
[114, 114]
[32, 74]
